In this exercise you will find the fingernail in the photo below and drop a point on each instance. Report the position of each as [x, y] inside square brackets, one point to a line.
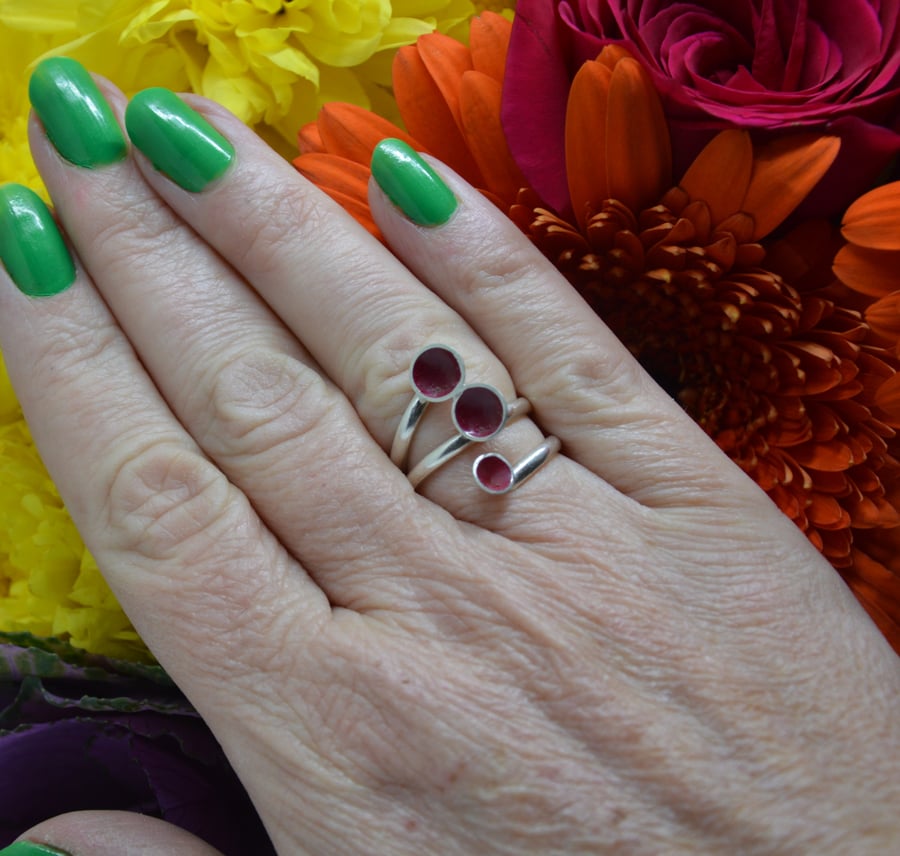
[77, 118]
[31, 247]
[177, 140]
[411, 184]
[29, 848]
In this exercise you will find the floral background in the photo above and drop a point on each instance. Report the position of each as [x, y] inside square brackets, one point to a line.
[716, 180]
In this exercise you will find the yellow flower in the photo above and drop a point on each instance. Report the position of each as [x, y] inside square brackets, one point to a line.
[19, 48]
[271, 62]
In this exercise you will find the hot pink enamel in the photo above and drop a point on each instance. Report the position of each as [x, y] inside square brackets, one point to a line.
[436, 373]
[479, 412]
[494, 473]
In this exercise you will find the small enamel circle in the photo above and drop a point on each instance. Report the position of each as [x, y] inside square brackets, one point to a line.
[437, 373]
[479, 412]
[493, 473]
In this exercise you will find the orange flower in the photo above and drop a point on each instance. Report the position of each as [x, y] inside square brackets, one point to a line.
[773, 356]
[449, 97]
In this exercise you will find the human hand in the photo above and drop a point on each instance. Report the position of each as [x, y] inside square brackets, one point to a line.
[633, 653]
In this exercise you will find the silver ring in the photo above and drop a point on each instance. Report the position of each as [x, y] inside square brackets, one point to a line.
[436, 373]
[495, 475]
[479, 413]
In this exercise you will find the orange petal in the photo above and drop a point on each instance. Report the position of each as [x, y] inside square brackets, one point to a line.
[887, 397]
[784, 172]
[872, 272]
[831, 457]
[336, 174]
[480, 116]
[344, 181]
[586, 139]
[488, 41]
[612, 55]
[874, 219]
[428, 116]
[352, 132]
[446, 60]
[884, 316]
[720, 175]
[309, 139]
[638, 153]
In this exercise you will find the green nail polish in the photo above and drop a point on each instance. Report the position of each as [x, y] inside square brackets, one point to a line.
[411, 184]
[29, 848]
[33, 252]
[179, 142]
[77, 118]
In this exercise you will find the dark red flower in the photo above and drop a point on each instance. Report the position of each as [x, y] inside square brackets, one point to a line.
[768, 65]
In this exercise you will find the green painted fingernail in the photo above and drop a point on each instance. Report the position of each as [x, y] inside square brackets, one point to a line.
[31, 247]
[411, 184]
[77, 118]
[29, 848]
[178, 141]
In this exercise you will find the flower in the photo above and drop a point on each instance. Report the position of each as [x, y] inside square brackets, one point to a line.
[18, 50]
[832, 66]
[83, 732]
[271, 62]
[449, 97]
[755, 337]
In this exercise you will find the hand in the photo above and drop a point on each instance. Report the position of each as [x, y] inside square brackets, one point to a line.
[635, 652]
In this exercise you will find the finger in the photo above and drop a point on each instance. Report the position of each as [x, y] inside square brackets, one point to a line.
[359, 312]
[232, 373]
[182, 548]
[108, 833]
[585, 385]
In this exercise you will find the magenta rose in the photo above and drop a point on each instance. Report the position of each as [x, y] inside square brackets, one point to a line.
[767, 65]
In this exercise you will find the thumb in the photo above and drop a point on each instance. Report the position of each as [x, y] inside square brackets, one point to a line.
[107, 833]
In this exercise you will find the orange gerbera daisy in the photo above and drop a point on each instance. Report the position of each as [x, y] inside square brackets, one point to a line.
[773, 356]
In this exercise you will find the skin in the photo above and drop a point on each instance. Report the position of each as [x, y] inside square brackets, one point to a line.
[635, 653]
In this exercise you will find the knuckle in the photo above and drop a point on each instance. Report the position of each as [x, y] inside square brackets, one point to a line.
[166, 501]
[600, 377]
[261, 401]
[499, 266]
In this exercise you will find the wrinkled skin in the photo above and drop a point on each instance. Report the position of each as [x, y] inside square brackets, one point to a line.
[634, 653]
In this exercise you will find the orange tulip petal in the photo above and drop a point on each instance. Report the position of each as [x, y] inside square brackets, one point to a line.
[586, 138]
[784, 172]
[428, 116]
[352, 132]
[488, 41]
[872, 272]
[720, 175]
[480, 116]
[638, 152]
[872, 221]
